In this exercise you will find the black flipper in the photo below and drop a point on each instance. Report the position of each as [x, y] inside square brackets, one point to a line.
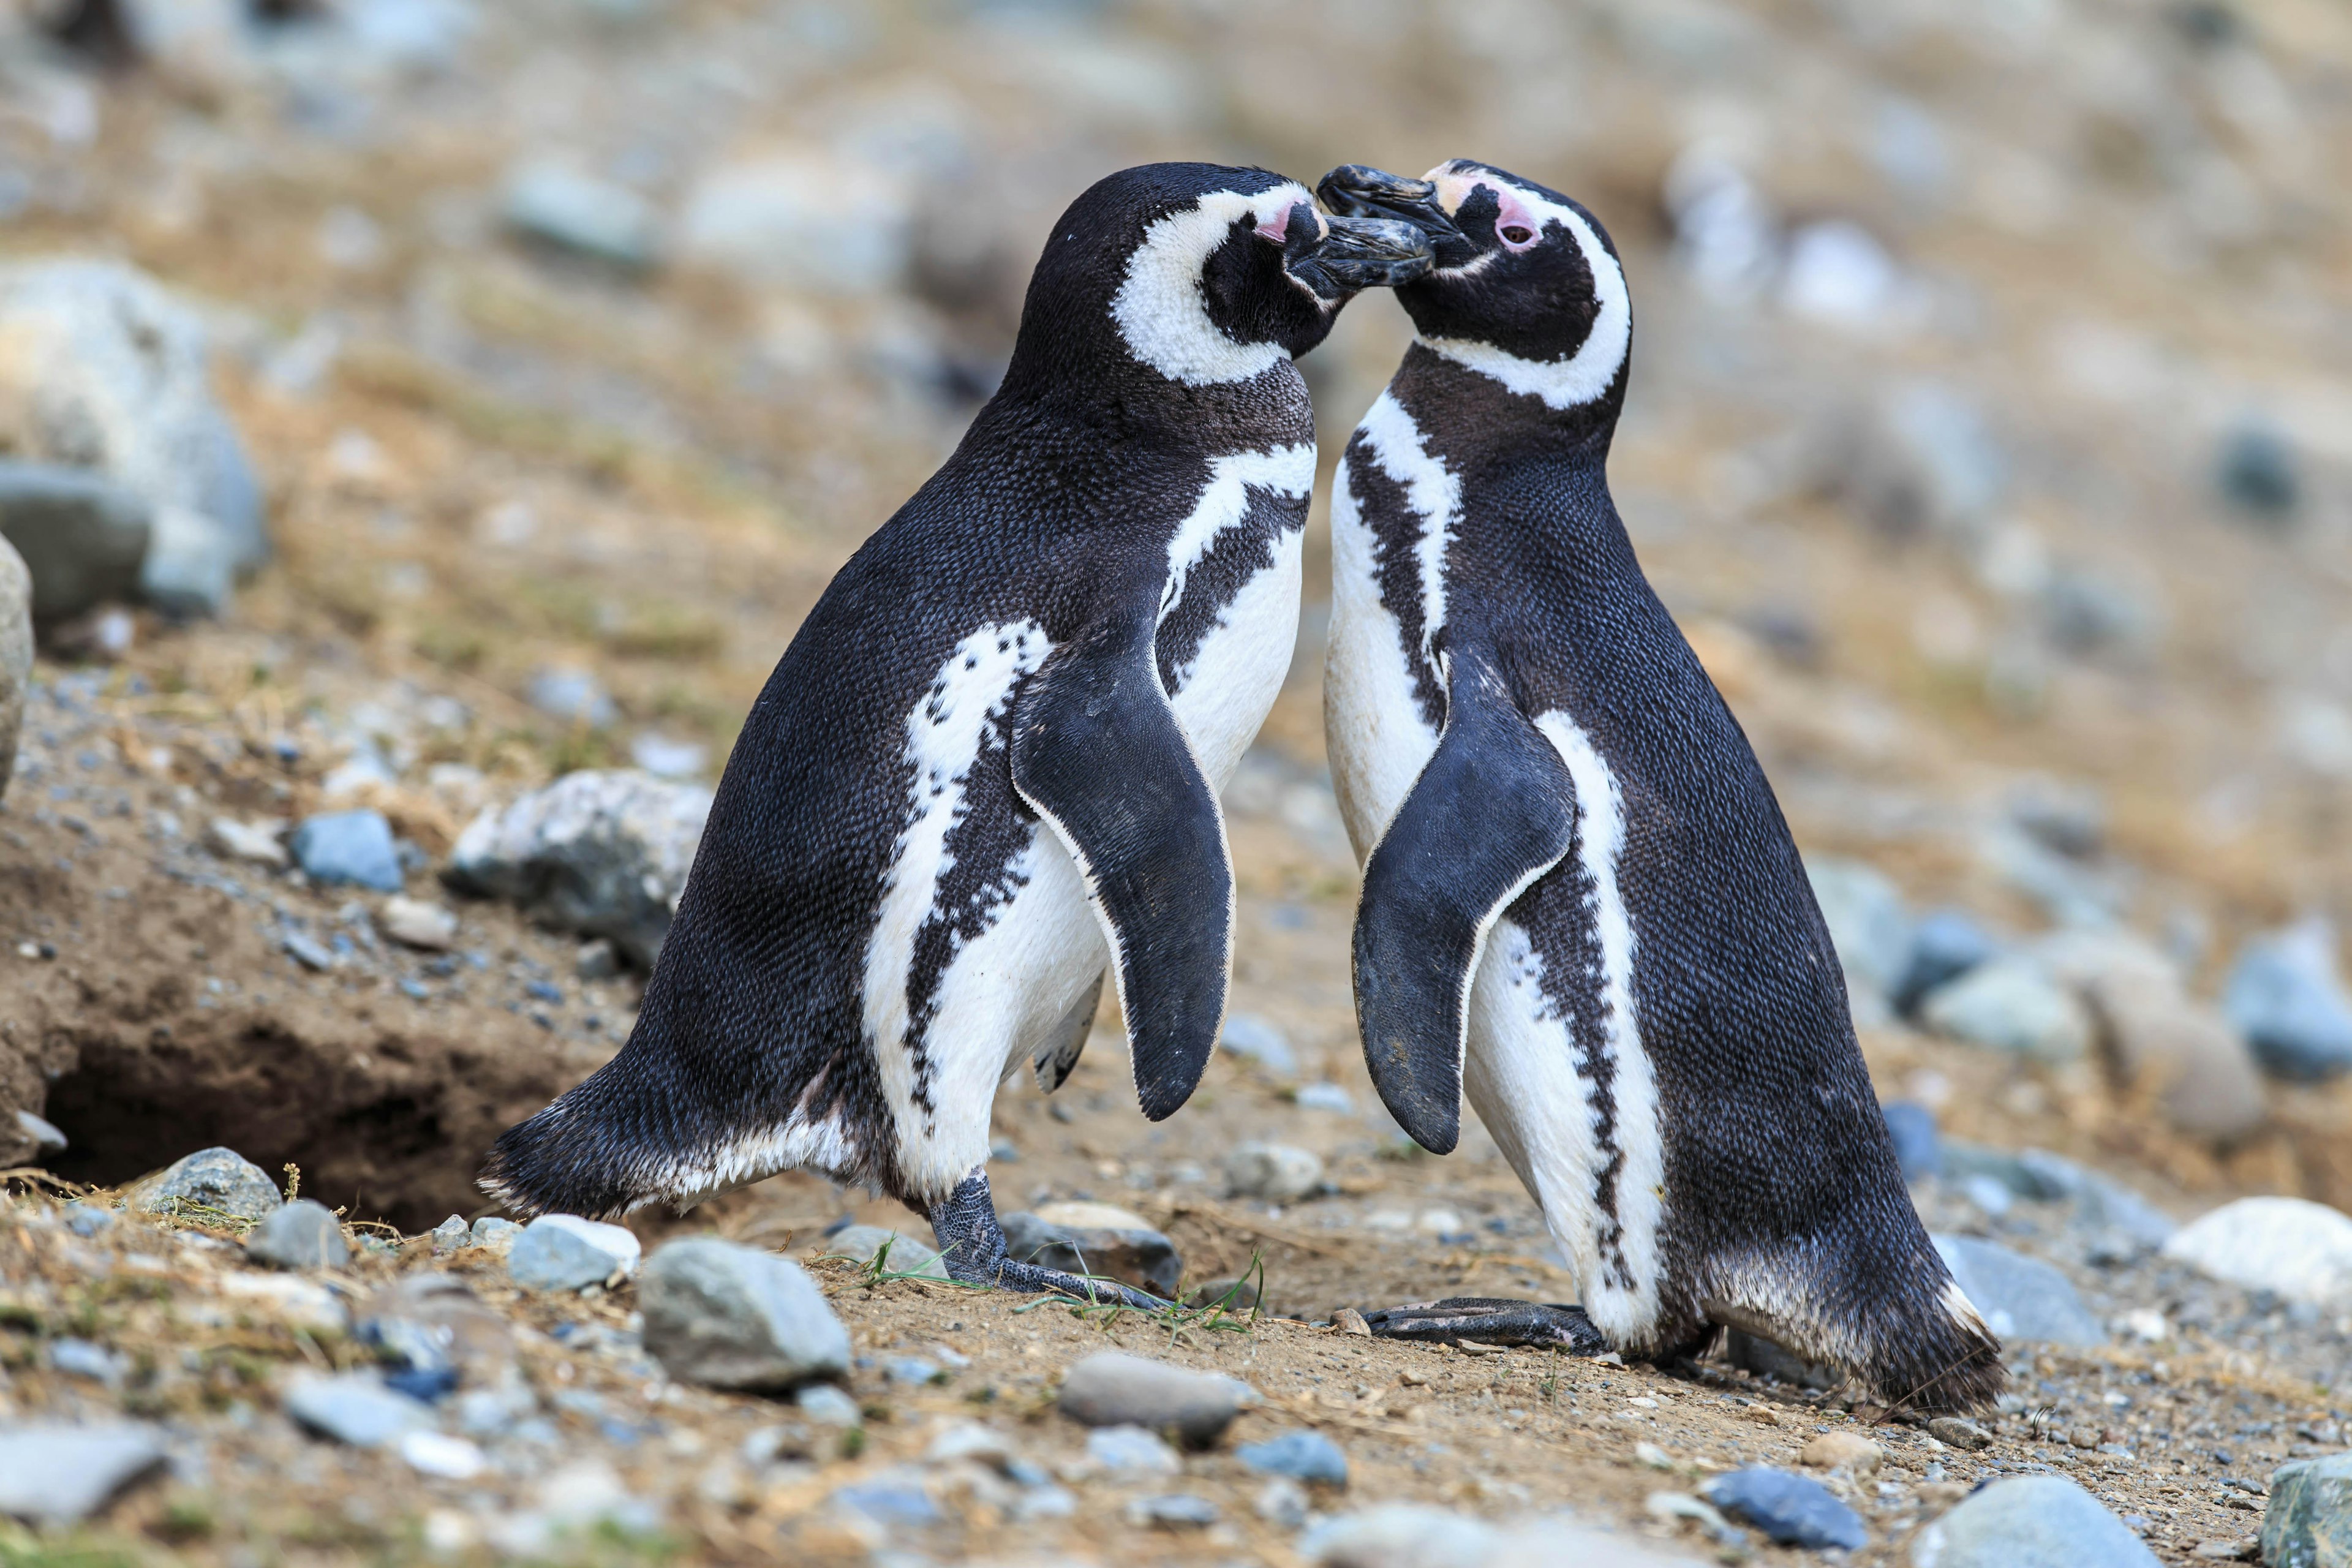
[1494, 810]
[1098, 753]
[1056, 1057]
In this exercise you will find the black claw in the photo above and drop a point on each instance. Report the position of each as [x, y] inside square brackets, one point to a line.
[1490, 1321]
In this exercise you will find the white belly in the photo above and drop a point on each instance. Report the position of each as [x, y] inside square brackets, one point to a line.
[1226, 692]
[1372, 728]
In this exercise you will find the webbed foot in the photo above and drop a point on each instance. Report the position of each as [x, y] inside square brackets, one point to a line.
[1490, 1321]
[971, 1245]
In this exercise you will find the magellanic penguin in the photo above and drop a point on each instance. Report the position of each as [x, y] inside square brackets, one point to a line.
[986, 769]
[1581, 906]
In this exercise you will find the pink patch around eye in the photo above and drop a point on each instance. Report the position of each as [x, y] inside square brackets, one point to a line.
[1513, 217]
[1278, 227]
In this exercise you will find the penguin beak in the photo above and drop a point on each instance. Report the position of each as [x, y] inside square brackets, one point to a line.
[1359, 253]
[1360, 191]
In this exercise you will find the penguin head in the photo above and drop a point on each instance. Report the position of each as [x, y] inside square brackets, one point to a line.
[1202, 274]
[1524, 283]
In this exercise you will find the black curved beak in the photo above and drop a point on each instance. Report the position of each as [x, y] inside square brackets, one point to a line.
[1360, 191]
[1357, 253]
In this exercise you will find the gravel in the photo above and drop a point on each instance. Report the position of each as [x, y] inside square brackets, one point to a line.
[300, 1235]
[733, 1316]
[53, 1475]
[564, 1252]
[1111, 1389]
[2030, 1521]
[1272, 1173]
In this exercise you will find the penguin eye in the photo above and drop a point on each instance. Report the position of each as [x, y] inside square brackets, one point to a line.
[1518, 233]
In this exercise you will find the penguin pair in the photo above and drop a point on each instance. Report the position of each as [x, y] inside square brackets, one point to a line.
[1582, 908]
[986, 771]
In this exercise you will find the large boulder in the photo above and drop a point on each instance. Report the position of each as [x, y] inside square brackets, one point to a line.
[16, 654]
[602, 853]
[101, 369]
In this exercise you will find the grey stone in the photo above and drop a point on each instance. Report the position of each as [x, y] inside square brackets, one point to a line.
[1792, 1510]
[2020, 1298]
[1945, 945]
[597, 853]
[1918, 1149]
[828, 1406]
[452, 1234]
[863, 1243]
[1173, 1511]
[2284, 996]
[564, 1252]
[1403, 1535]
[349, 846]
[2014, 1005]
[259, 842]
[85, 1221]
[894, 1497]
[302, 1234]
[1302, 1455]
[2290, 1247]
[496, 1233]
[101, 369]
[2308, 1521]
[1131, 1450]
[2256, 470]
[2164, 1044]
[1111, 1389]
[1125, 1249]
[1957, 1432]
[1253, 1040]
[913, 1370]
[15, 651]
[573, 695]
[418, 923]
[1325, 1097]
[767, 222]
[1868, 925]
[191, 565]
[1273, 1172]
[48, 1137]
[1767, 1358]
[53, 1475]
[2030, 1521]
[578, 213]
[734, 1316]
[81, 536]
[80, 1358]
[212, 1178]
[355, 1408]
[1921, 460]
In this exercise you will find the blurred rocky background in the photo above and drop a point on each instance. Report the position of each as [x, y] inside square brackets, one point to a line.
[423, 423]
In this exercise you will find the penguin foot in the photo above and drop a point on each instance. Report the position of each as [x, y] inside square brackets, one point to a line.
[971, 1245]
[1490, 1321]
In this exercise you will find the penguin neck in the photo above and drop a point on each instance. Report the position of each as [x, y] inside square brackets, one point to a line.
[1133, 406]
[1468, 399]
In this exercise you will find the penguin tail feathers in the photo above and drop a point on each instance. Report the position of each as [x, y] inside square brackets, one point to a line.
[1942, 1361]
[577, 1156]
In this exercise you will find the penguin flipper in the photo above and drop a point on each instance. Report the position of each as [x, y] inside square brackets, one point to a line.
[1492, 811]
[1059, 1054]
[1096, 752]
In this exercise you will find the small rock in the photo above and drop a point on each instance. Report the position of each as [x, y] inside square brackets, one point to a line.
[211, 1179]
[1918, 1149]
[1764, 1358]
[496, 1235]
[1791, 1509]
[1176, 1510]
[1131, 1450]
[1838, 272]
[2285, 998]
[46, 1136]
[597, 960]
[439, 1454]
[1272, 1173]
[1921, 460]
[564, 1252]
[1403, 1535]
[1110, 1389]
[16, 650]
[1957, 1432]
[1302, 1455]
[2308, 1521]
[863, 1243]
[2020, 1298]
[300, 1235]
[765, 221]
[349, 846]
[2256, 470]
[85, 1221]
[578, 213]
[419, 924]
[1325, 1097]
[574, 696]
[2289, 1247]
[733, 1316]
[1669, 1506]
[599, 853]
[2030, 1521]
[80, 537]
[296, 1302]
[828, 1406]
[1842, 1451]
[1231, 1295]
[969, 1440]
[2164, 1043]
[52, 1474]
[1945, 945]
[894, 1498]
[1868, 925]
[101, 369]
[1349, 1321]
[1097, 1239]
[80, 1358]
[1282, 1503]
[2012, 1004]
[261, 843]
[355, 1408]
[913, 1370]
[1255, 1039]
[451, 1234]
[668, 759]
[191, 563]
